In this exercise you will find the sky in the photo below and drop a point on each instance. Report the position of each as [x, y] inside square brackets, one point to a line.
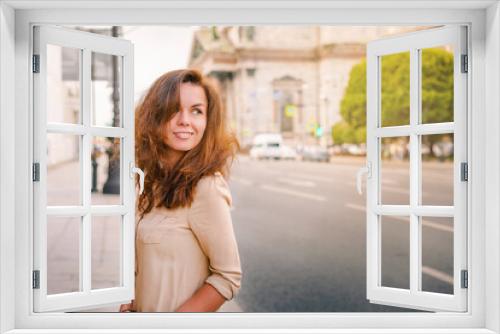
[157, 49]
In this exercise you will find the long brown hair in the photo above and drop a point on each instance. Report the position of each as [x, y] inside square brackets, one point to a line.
[173, 186]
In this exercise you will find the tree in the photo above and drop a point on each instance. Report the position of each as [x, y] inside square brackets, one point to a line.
[436, 92]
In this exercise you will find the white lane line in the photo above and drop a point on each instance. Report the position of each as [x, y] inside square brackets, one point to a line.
[395, 190]
[441, 227]
[313, 177]
[293, 193]
[230, 306]
[242, 181]
[437, 274]
[355, 206]
[299, 183]
[338, 180]
[433, 225]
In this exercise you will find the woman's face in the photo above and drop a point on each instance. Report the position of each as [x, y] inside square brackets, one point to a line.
[186, 128]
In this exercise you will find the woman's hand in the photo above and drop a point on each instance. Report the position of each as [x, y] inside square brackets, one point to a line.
[130, 307]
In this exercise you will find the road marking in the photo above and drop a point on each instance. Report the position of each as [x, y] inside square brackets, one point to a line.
[437, 274]
[355, 206]
[313, 177]
[395, 190]
[230, 306]
[293, 192]
[299, 183]
[438, 226]
[242, 181]
[433, 225]
[337, 180]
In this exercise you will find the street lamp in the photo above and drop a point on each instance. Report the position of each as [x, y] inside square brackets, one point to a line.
[112, 185]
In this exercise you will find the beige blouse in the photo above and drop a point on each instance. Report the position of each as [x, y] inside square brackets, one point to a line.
[179, 250]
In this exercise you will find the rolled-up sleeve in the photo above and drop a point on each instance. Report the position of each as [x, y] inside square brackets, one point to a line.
[210, 220]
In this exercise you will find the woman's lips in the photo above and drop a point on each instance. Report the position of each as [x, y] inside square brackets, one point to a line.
[183, 135]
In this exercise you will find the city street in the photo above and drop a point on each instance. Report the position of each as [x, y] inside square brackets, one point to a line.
[301, 232]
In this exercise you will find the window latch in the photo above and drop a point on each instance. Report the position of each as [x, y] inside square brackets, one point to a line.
[136, 170]
[363, 170]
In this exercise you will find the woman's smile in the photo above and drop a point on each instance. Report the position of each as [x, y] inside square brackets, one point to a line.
[183, 135]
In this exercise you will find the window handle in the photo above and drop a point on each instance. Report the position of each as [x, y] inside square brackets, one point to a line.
[363, 170]
[137, 170]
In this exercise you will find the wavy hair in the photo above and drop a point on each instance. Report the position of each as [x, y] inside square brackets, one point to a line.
[172, 186]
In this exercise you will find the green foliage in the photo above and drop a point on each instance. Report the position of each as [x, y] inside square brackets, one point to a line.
[342, 133]
[396, 89]
[353, 105]
[436, 90]
[437, 86]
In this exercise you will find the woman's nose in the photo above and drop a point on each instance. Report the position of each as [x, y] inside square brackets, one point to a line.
[183, 118]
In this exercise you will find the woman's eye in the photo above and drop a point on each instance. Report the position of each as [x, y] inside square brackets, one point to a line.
[197, 111]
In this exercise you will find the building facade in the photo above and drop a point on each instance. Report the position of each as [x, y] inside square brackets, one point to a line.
[283, 79]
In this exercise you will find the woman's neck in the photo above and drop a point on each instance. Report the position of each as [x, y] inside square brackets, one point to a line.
[173, 156]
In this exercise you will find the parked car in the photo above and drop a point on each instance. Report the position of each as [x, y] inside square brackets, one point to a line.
[314, 153]
[288, 153]
[270, 146]
[354, 149]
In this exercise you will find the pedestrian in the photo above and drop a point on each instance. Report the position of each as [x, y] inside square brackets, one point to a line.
[187, 257]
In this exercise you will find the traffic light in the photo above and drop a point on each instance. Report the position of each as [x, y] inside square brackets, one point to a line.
[319, 131]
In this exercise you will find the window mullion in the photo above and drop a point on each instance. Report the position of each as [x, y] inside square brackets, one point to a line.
[127, 259]
[85, 245]
[415, 258]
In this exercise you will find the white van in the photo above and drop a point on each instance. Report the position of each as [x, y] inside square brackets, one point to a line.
[270, 146]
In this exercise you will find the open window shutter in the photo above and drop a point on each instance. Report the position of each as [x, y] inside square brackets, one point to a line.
[397, 277]
[83, 254]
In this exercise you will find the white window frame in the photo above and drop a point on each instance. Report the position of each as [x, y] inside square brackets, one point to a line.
[86, 44]
[413, 43]
[16, 18]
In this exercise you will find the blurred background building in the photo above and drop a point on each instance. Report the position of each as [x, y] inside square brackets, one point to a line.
[283, 79]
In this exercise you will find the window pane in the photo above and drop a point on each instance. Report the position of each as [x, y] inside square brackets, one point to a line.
[106, 251]
[395, 240]
[63, 169]
[395, 89]
[106, 173]
[63, 84]
[437, 85]
[437, 169]
[395, 170]
[437, 254]
[106, 92]
[63, 254]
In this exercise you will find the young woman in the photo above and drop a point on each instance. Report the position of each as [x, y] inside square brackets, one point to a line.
[186, 254]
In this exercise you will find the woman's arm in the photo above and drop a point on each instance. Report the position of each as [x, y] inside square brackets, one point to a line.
[210, 220]
[205, 299]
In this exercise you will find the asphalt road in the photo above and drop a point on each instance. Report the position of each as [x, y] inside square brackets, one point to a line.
[301, 231]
